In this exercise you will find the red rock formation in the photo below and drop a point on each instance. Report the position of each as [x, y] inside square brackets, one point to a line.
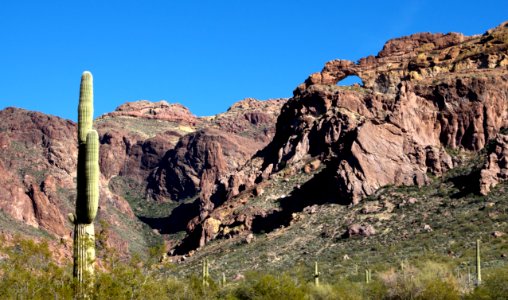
[137, 135]
[408, 109]
[422, 93]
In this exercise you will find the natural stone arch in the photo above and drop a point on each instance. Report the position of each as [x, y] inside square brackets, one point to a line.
[351, 80]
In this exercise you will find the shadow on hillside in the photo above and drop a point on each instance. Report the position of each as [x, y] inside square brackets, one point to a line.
[176, 221]
[466, 184]
[322, 188]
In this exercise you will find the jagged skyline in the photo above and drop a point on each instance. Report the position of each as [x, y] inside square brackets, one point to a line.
[205, 56]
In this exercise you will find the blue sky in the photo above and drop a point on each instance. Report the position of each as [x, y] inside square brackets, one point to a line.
[205, 55]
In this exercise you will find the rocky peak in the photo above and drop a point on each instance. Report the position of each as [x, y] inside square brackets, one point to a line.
[161, 110]
[272, 105]
[423, 57]
[415, 43]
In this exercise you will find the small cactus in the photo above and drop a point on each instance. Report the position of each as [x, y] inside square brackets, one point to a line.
[316, 274]
[478, 264]
[205, 274]
[223, 281]
[468, 275]
[368, 276]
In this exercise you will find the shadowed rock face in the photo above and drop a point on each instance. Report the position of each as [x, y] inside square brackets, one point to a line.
[197, 154]
[138, 134]
[224, 144]
[138, 141]
[421, 94]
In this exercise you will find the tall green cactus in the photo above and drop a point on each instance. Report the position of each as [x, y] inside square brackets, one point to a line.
[478, 264]
[223, 282]
[316, 274]
[87, 201]
[205, 274]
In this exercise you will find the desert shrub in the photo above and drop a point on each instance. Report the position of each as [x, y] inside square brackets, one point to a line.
[375, 290]
[438, 289]
[28, 272]
[322, 292]
[267, 286]
[430, 280]
[494, 286]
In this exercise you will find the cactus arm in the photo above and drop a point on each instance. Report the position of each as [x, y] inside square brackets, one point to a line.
[92, 176]
[85, 108]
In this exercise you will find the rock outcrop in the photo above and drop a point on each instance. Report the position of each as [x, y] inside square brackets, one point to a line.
[421, 95]
[207, 151]
[495, 169]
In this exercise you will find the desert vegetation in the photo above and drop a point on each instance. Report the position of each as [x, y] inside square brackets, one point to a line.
[27, 271]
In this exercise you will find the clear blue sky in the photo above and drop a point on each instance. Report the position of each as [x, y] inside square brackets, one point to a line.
[203, 54]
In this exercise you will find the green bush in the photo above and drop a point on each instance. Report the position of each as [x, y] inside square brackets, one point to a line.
[430, 280]
[266, 286]
[494, 286]
[28, 272]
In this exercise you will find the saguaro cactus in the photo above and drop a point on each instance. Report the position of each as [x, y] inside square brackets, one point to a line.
[205, 274]
[87, 201]
[316, 274]
[478, 264]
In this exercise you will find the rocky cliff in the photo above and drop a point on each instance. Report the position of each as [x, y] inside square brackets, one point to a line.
[422, 97]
